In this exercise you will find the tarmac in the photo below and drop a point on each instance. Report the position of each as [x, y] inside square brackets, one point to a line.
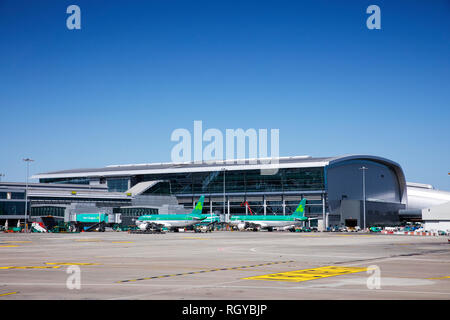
[223, 265]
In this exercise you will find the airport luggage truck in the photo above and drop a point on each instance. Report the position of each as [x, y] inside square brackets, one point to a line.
[200, 228]
[93, 221]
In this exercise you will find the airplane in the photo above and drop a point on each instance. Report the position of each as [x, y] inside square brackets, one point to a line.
[172, 221]
[270, 221]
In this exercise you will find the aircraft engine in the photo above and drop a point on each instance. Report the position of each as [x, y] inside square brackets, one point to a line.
[143, 226]
[241, 225]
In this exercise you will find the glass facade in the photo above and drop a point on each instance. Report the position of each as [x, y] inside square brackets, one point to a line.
[48, 211]
[135, 212]
[242, 181]
[18, 195]
[12, 195]
[66, 180]
[239, 181]
[12, 207]
[118, 185]
[240, 186]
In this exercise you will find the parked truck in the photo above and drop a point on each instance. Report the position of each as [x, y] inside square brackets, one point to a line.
[80, 222]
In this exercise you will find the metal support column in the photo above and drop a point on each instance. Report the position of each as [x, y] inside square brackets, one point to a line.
[210, 205]
[264, 205]
[325, 225]
[363, 168]
[224, 194]
[27, 160]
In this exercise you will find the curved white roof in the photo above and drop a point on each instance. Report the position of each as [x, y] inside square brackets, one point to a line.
[229, 165]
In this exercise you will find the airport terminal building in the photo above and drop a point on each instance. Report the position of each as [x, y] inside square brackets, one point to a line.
[333, 186]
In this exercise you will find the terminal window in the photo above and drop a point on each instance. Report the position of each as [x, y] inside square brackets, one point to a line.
[118, 185]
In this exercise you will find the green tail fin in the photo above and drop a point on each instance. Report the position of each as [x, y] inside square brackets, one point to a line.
[199, 206]
[300, 211]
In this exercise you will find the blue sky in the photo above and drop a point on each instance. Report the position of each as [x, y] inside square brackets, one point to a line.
[113, 92]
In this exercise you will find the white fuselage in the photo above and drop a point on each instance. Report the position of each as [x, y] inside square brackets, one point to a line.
[167, 223]
[266, 223]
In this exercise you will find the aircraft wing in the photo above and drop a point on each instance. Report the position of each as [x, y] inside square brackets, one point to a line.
[161, 224]
[299, 219]
[260, 225]
[153, 225]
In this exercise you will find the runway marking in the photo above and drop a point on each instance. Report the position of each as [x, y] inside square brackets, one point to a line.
[88, 240]
[307, 274]
[203, 271]
[196, 238]
[353, 235]
[30, 267]
[72, 263]
[8, 246]
[16, 241]
[122, 242]
[50, 265]
[253, 270]
[440, 278]
[7, 294]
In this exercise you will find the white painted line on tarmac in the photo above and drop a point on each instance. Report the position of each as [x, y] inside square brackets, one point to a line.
[418, 259]
[225, 286]
[176, 288]
[335, 289]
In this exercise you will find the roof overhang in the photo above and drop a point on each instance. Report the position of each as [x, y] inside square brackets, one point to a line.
[182, 168]
[227, 165]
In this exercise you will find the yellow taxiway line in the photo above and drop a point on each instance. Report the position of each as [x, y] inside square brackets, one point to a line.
[440, 278]
[203, 271]
[7, 294]
[30, 267]
[72, 263]
[17, 241]
[307, 274]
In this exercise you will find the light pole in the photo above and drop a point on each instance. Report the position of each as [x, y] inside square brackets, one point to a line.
[27, 160]
[364, 193]
[224, 212]
[1, 175]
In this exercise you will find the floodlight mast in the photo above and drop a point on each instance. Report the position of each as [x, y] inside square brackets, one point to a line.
[27, 160]
[364, 193]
